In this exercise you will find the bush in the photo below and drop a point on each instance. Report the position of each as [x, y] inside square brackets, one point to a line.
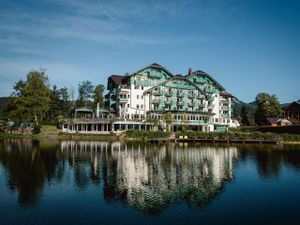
[36, 129]
[147, 134]
[229, 135]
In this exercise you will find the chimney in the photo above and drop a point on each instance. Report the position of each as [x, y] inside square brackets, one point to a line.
[190, 71]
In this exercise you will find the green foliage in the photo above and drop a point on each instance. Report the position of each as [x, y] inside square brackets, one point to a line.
[2, 126]
[32, 98]
[291, 137]
[229, 135]
[59, 105]
[244, 116]
[267, 106]
[36, 129]
[142, 134]
[250, 108]
[85, 92]
[98, 95]
[168, 118]
[184, 122]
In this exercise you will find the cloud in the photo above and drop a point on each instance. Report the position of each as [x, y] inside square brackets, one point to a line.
[107, 23]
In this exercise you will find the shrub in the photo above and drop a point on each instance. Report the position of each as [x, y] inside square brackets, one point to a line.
[36, 129]
[147, 134]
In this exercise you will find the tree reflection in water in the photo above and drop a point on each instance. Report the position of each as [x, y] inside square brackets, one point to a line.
[149, 178]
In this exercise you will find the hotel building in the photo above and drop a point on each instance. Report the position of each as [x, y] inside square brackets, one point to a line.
[144, 98]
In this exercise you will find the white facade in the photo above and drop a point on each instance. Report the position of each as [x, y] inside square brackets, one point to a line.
[196, 100]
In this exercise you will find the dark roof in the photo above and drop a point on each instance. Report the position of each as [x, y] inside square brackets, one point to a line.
[198, 72]
[284, 105]
[179, 76]
[156, 65]
[117, 79]
[153, 65]
[226, 94]
[287, 105]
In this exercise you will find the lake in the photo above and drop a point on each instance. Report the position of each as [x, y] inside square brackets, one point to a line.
[87, 182]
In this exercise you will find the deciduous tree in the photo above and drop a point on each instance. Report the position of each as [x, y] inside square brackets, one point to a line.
[32, 97]
[267, 106]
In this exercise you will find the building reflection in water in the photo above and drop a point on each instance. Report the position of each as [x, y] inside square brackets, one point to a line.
[152, 178]
[146, 177]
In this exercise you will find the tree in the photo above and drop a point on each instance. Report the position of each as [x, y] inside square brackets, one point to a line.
[98, 95]
[168, 117]
[32, 97]
[59, 105]
[267, 106]
[85, 92]
[184, 122]
[154, 122]
[244, 116]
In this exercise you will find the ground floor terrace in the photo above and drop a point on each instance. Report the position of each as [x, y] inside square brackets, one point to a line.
[105, 127]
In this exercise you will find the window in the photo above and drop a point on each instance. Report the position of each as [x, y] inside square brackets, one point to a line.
[142, 106]
[137, 106]
[127, 105]
[137, 96]
[142, 88]
[142, 97]
[136, 87]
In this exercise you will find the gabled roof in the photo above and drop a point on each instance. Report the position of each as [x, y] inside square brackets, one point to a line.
[226, 94]
[117, 79]
[177, 77]
[287, 105]
[153, 65]
[202, 73]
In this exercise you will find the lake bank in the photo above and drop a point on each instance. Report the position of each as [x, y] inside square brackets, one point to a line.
[187, 136]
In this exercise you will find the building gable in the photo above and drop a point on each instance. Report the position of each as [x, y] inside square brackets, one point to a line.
[200, 77]
[150, 75]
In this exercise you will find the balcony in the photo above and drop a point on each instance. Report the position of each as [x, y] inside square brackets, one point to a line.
[156, 100]
[168, 102]
[210, 106]
[168, 94]
[190, 95]
[225, 107]
[156, 93]
[225, 116]
[200, 96]
[210, 90]
[180, 103]
[191, 104]
[180, 95]
[225, 101]
[123, 100]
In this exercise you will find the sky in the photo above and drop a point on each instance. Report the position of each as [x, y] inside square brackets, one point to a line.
[248, 46]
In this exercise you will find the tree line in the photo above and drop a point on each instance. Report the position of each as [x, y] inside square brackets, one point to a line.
[35, 99]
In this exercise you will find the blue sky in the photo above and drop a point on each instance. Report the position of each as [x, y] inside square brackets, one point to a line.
[248, 46]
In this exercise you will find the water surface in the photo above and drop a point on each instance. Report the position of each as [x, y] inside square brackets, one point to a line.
[133, 183]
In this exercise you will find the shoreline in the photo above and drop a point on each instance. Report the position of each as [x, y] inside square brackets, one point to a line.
[122, 137]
